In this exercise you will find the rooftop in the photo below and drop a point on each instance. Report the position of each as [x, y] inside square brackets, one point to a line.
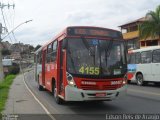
[140, 20]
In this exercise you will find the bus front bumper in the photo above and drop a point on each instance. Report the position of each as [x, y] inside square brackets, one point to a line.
[74, 94]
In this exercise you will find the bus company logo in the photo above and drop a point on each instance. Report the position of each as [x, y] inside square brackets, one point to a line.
[116, 82]
[88, 83]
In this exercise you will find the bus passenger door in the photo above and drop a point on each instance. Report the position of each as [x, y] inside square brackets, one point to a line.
[60, 72]
[146, 66]
[156, 72]
[43, 67]
[156, 65]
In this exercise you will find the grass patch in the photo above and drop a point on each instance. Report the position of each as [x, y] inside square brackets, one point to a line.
[4, 90]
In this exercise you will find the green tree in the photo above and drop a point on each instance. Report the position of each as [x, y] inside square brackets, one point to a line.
[31, 48]
[151, 26]
[6, 52]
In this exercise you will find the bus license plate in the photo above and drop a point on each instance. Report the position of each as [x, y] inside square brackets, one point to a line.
[101, 94]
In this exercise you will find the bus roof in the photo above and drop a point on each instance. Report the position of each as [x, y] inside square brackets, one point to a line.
[91, 27]
[67, 32]
[144, 49]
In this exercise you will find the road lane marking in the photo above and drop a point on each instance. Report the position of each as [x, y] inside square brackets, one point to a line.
[41, 104]
[144, 92]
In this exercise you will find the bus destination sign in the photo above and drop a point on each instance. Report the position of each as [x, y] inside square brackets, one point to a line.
[93, 32]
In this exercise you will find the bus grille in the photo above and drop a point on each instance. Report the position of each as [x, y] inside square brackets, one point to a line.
[110, 87]
[98, 87]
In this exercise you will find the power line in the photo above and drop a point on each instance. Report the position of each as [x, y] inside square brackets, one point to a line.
[13, 16]
[6, 5]
[5, 24]
[6, 18]
[14, 36]
[11, 26]
[9, 16]
[11, 23]
[2, 6]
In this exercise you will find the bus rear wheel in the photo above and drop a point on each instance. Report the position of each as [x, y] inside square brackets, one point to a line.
[157, 83]
[40, 87]
[56, 97]
[140, 80]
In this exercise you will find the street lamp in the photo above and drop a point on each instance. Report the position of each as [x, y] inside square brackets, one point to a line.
[15, 28]
[1, 66]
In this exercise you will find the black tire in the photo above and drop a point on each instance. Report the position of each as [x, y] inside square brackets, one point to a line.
[56, 97]
[40, 87]
[139, 80]
[157, 83]
[128, 81]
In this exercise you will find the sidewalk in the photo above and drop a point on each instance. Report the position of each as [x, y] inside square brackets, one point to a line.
[20, 100]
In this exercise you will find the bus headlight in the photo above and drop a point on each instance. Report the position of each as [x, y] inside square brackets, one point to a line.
[70, 80]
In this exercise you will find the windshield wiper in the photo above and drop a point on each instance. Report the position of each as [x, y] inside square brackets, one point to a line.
[89, 48]
[108, 50]
[85, 43]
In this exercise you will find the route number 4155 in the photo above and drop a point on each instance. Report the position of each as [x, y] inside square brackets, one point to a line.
[89, 70]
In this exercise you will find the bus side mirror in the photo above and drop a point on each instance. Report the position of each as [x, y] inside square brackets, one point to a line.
[64, 52]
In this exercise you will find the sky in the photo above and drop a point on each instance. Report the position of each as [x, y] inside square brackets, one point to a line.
[51, 16]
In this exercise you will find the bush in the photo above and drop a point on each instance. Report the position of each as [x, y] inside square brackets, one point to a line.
[15, 69]
[6, 52]
[4, 90]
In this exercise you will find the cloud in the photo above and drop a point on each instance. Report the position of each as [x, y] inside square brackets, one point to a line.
[50, 17]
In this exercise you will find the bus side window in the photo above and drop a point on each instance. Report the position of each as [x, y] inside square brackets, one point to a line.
[128, 58]
[49, 51]
[138, 58]
[131, 58]
[156, 56]
[39, 58]
[54, 51]
[146, 57]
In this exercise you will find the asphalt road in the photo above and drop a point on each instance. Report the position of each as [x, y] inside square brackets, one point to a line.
[139, 100]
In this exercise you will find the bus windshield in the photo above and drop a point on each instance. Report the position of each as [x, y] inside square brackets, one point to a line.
[95, 57]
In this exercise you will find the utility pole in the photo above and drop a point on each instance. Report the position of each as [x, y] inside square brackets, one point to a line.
[6, 5]
[1, 65]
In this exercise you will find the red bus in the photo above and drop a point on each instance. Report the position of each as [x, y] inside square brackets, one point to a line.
[83, 63]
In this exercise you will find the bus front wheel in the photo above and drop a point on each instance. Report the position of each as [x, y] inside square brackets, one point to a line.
[129, 81]
[56, 97]
[139, 79]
